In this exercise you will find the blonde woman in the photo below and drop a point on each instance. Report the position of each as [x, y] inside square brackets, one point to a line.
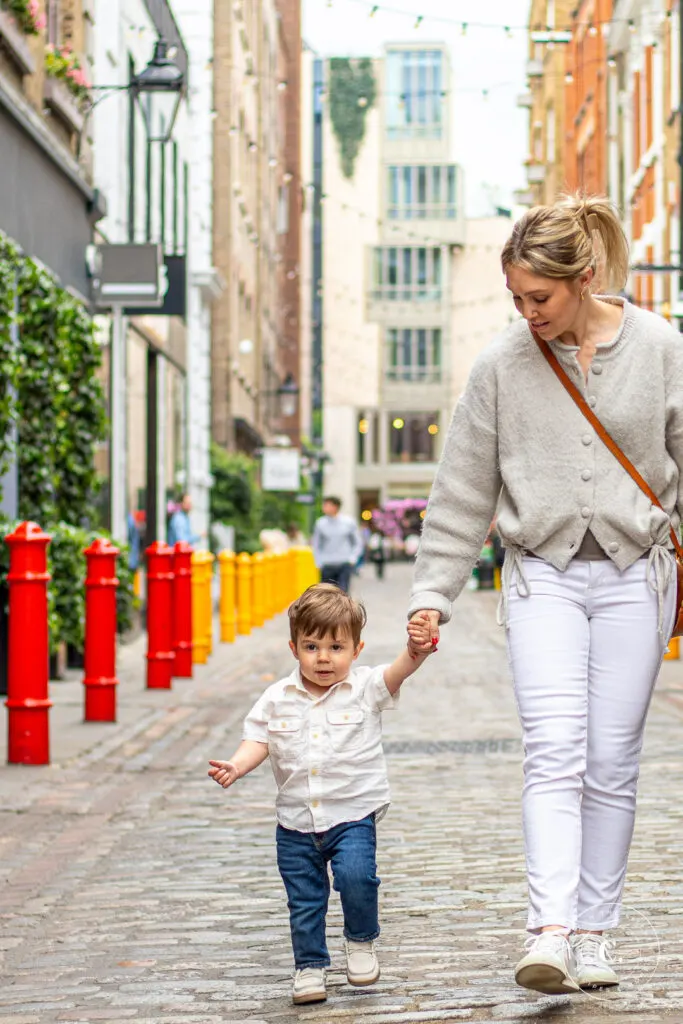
[588, 582]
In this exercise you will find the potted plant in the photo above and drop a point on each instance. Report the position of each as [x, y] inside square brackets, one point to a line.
[66, 85]
[27, 15]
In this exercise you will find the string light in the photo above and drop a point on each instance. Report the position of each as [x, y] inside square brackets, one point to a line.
[419, 20]
[374, 11]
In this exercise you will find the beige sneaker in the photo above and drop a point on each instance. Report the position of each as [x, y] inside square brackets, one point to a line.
[548, 966]
[362, 965]
[593, 954]
[309, 985]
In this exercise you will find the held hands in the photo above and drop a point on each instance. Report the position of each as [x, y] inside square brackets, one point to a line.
[224, 773]
[423, 633]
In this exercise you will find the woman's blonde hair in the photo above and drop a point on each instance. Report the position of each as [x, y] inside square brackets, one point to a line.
[566, 239]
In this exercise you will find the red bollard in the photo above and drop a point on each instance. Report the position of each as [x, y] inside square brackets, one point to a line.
[160, 655]
[100, 632]
[182, 610]
[27, 700]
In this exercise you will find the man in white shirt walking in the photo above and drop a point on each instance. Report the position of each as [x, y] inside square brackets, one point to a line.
[337, 544]
[321, 727]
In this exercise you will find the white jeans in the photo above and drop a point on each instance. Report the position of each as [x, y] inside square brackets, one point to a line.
[585, 653]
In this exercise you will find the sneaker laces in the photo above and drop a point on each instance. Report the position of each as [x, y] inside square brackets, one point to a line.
[592, 950]
[549, 942]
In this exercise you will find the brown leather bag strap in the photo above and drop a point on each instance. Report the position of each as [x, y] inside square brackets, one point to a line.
[610, 443]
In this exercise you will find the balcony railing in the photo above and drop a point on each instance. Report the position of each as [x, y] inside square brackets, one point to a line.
[534, 68]
[406, 293]
[535, 174]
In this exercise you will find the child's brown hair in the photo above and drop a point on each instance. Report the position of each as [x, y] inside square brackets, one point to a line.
[325, 610]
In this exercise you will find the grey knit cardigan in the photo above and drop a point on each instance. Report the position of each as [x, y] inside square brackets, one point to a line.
[519, 447]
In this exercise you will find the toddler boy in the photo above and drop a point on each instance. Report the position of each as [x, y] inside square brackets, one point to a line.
[321, 727]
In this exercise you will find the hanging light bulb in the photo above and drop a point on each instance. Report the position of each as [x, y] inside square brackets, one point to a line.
[419, 20]
[463, 28]
[374, 11]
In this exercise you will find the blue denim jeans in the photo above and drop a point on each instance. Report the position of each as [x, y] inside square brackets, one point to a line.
[339, 574]
[302, 858]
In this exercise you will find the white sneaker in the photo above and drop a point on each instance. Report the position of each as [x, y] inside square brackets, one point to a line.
[362, 965]
[309, 985]
[548, 966]
[593, 954]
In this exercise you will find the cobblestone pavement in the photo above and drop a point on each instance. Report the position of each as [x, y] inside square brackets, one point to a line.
[137, 890]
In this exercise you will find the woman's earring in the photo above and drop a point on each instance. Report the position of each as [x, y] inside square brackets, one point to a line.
[583, 294]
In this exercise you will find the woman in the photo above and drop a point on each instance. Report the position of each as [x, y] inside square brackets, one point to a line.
[588, 582]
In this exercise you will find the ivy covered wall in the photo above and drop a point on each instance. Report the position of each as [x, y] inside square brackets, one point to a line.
[50, 388]
[352, 92]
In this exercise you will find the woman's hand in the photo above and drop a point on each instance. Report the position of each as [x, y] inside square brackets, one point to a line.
[416, 630]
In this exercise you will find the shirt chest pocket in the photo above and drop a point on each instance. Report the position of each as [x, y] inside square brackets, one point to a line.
[346, 729]
[285, 735]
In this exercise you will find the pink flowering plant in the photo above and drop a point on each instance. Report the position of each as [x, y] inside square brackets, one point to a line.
[61, 62]
[27, 14]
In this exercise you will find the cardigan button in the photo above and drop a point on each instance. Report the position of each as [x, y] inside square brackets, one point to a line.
[592, 401]
[613, 547]
[596, 368]
[585, 512]
[586, 474]
[587, 439]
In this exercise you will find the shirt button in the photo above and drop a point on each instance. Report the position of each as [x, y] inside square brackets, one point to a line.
[314, 771]
[592, 401]
[586, 474]
[587, 439]
[613, 547]
[596, 368]
[315, 735]
[585, 512]
[315, 803]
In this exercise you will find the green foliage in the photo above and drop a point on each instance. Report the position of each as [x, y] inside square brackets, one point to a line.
[80, 413]
[49, 386]
[8, 349]
[352, 91]
[36, 394]
[238, 501]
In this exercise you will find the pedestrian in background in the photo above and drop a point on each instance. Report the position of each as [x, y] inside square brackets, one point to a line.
[337, 544]
[588, 590]
[321, 727]
[180, 527]
[376, 552]
[296, 538]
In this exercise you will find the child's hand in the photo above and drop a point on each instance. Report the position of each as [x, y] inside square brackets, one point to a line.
[224, 773]
[421, 636]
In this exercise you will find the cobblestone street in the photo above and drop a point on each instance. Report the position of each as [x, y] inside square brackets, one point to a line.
[135, 889]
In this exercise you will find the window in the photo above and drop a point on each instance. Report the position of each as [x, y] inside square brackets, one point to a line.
[407, 274]
[412, 436]
[422, 192]
[414, 354]
[414, 94]
[52, 18]
[367, 451]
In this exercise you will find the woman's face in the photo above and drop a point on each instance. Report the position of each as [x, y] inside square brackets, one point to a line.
[549, 304]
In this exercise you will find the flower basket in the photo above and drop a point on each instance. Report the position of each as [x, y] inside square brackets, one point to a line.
[26, 15]
[14, 40]
[63, 65]
[62, 103]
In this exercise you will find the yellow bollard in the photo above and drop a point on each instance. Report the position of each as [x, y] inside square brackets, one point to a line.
[208, 600]
[673, 651]
[200, 651]
[267, 585]
[257, 580]
[282, 581]
[292, 578]
[243, 563]
[226, 560]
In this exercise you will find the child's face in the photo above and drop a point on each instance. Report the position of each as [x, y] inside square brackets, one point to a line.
[325, 660]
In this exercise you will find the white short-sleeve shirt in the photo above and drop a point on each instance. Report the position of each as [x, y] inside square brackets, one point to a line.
[325, 752]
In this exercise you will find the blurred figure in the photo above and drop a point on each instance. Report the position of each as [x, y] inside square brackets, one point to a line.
[336, 543]
[296, 538]
[179, 527]
[376, 551]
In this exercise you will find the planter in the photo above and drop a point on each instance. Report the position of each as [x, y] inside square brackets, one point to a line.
[63, 103]
[16, 44]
